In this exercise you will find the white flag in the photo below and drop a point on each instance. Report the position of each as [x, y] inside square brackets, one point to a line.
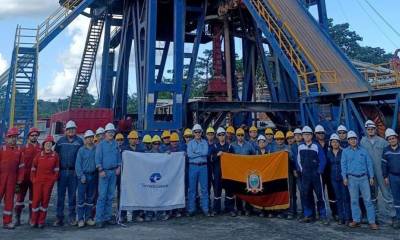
[152, 181]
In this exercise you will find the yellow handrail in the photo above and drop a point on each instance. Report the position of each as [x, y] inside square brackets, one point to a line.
[290, 50]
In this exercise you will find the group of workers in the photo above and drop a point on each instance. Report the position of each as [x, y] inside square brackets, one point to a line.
[351, 170]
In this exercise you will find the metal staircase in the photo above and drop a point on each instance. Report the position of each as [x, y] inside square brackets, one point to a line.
[308, 73]
[21, 92]
[18, 84]
[88, 60]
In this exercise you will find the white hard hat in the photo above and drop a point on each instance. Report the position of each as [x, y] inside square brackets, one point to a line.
[334, 136]
[220, 130]
[88, 133]
[341, 128]
[297, 131]
[306, 129]
[197, 127]
[261, 137]
[100, 130]
[369, 124]
[390, 132]
[110, 127]
[351, 134]
[70, 124]
[319, 128]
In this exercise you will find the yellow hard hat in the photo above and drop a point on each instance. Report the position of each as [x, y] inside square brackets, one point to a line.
[166, 134]
[147, 138]
[240, 131]
[174, 137]
[133, 135]
[253, 128]
[187, 132]
[210, 130]
[156, 138]
[269, 131]
[289, 134]
[230, 129]
[119, 136]
[279, 135]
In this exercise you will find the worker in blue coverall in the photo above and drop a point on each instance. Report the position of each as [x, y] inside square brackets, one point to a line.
[85, 168]
[197, 151]
[391, 170]
[108, 164]
[311, 163]
[67, 148]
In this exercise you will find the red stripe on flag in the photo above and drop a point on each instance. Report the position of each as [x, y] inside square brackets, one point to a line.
[270, 200]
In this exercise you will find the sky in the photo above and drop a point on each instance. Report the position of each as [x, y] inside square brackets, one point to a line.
[59, 61]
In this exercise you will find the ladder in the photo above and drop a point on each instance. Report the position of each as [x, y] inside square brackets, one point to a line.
[21, 92]
[87, 63]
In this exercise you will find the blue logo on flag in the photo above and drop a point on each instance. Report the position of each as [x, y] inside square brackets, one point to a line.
[155, 177]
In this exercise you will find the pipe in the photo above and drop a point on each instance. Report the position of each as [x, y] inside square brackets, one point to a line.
[227, 50]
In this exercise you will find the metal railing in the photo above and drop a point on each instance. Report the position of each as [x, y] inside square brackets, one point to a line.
[310, 78]
[379, 76]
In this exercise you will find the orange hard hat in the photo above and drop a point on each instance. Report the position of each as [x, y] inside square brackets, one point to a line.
[12, 132]
[32, 130]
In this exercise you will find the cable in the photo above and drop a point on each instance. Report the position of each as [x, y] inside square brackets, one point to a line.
[382, 18]
[343, 11]
[377, 25]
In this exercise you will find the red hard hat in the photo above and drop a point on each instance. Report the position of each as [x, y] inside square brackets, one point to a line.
[12, 132]
[32, 130]
[49, 138]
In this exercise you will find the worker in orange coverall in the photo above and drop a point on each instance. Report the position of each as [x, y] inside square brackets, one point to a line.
[11, 174]
[31, 149]
[44, 173]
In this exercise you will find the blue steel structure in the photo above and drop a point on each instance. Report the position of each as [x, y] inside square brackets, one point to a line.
[300, 63]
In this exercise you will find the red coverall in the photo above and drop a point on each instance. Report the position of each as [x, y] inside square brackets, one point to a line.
[29, 152]
[45, 171]
[11, 173]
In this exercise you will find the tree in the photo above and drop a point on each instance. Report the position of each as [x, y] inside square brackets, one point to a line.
[348, 41]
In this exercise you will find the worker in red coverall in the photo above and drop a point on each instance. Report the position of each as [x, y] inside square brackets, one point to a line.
[11, 174]
[44, 173]
[31, 149]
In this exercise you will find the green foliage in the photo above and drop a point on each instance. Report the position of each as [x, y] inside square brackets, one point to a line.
[349, 42]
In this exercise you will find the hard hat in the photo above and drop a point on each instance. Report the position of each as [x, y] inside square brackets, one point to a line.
[390, 132]
[100, 130]
[289, 134]
[297, 131]
[119, 136]
[269, 131]
[133, 135]
[220, 130]
[279, 135]
[12, 132]
[319, 129]
[334, 136]
[88, 133]
[49, 138]
[231, 130]
[306, 129]
[70, 124]
[261, 137]
[197, 127]
[341, 128]
[187, 132]
[369, 124]
[33, 130]
[351, 134]
[166, 134]
[239, 131]
[156, 138]
[210, 130]
[110, 127]
[174, 137]
[147, 138]
[253, 129]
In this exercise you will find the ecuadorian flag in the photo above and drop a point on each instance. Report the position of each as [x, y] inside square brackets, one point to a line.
[260, 180]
